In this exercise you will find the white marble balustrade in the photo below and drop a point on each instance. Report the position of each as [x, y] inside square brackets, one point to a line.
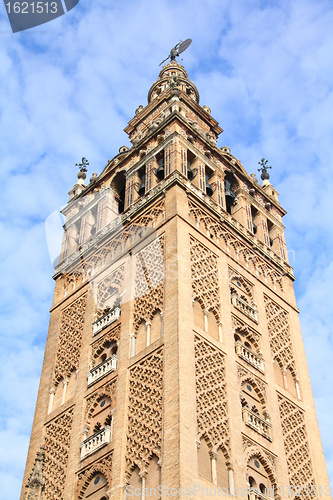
[106, 319]
[249, 356]
[244, 307]
[257, 423]
[96, 441]
[99, 371]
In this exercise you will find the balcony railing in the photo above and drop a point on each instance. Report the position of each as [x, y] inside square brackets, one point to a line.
[257, 423]
[106, 319]
[96, 441]
[255, 494]
[99, 371]
[244, 307]
[249, 356]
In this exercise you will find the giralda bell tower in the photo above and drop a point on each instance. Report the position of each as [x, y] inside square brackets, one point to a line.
[174, 356]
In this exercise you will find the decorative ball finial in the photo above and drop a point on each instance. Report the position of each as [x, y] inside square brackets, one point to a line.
[83, 168]
[263, 169]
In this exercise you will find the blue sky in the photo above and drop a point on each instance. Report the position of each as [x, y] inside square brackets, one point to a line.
[67, 90]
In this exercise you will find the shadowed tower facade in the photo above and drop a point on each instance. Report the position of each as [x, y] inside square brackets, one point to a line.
[174, 355]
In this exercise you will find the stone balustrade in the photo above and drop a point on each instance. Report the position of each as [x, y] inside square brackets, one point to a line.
[96, 441]
[244, 307]
[249, 356]
[99, 371]
[255, 494]
[257, 423]
[106, 319]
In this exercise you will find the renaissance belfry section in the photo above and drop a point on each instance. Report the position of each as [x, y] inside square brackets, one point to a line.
[174, 355]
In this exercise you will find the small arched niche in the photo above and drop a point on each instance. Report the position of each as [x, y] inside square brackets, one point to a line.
[97, 488]
[258, 477]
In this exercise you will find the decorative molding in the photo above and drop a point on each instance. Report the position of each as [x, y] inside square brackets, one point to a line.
[70, 339]
[204, 275]
[296, 446]
[211, 397]
[57, 443]
[279, 336]
[144, 432]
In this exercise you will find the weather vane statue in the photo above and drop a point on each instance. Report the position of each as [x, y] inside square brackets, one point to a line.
[83, 168]
[263, 169]
[178, 49]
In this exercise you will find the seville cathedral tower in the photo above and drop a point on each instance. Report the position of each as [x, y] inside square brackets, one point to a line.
[174, 355]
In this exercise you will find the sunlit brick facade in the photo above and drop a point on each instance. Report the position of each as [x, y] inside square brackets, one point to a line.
[174, 355]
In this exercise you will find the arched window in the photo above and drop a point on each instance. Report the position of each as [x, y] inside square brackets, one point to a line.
[97, 488]
[118, 186]
[258, 479]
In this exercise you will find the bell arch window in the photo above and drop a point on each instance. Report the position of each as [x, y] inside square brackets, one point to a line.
[160, 171]
[191, 172]
[142, 181]
[255, 219]
[270, 227]
[118, 186]
[230, 188]
[209, 188]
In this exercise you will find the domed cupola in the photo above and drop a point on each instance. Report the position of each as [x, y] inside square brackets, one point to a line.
[173, 76]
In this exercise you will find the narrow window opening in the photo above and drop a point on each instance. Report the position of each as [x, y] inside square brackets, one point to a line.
[254, 213]
[209, 186]
[142, 181]
[159, 172]
[191, 173]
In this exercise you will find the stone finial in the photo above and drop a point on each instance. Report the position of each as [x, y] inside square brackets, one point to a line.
[36, 482]
[93, 177]
[254, 178]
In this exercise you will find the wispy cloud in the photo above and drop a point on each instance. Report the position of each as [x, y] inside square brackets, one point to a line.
[67, 90]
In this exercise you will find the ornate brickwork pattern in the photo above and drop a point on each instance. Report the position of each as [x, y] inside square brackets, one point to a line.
[211, 397]
[57, 442]
[296, 447]
[98, 346]
[221, 231]
[149, 282]
[103, 466]
[110, 284]
[70, 338]
[107, 390]
[144, 434]
[204, 277]
[279, 335]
